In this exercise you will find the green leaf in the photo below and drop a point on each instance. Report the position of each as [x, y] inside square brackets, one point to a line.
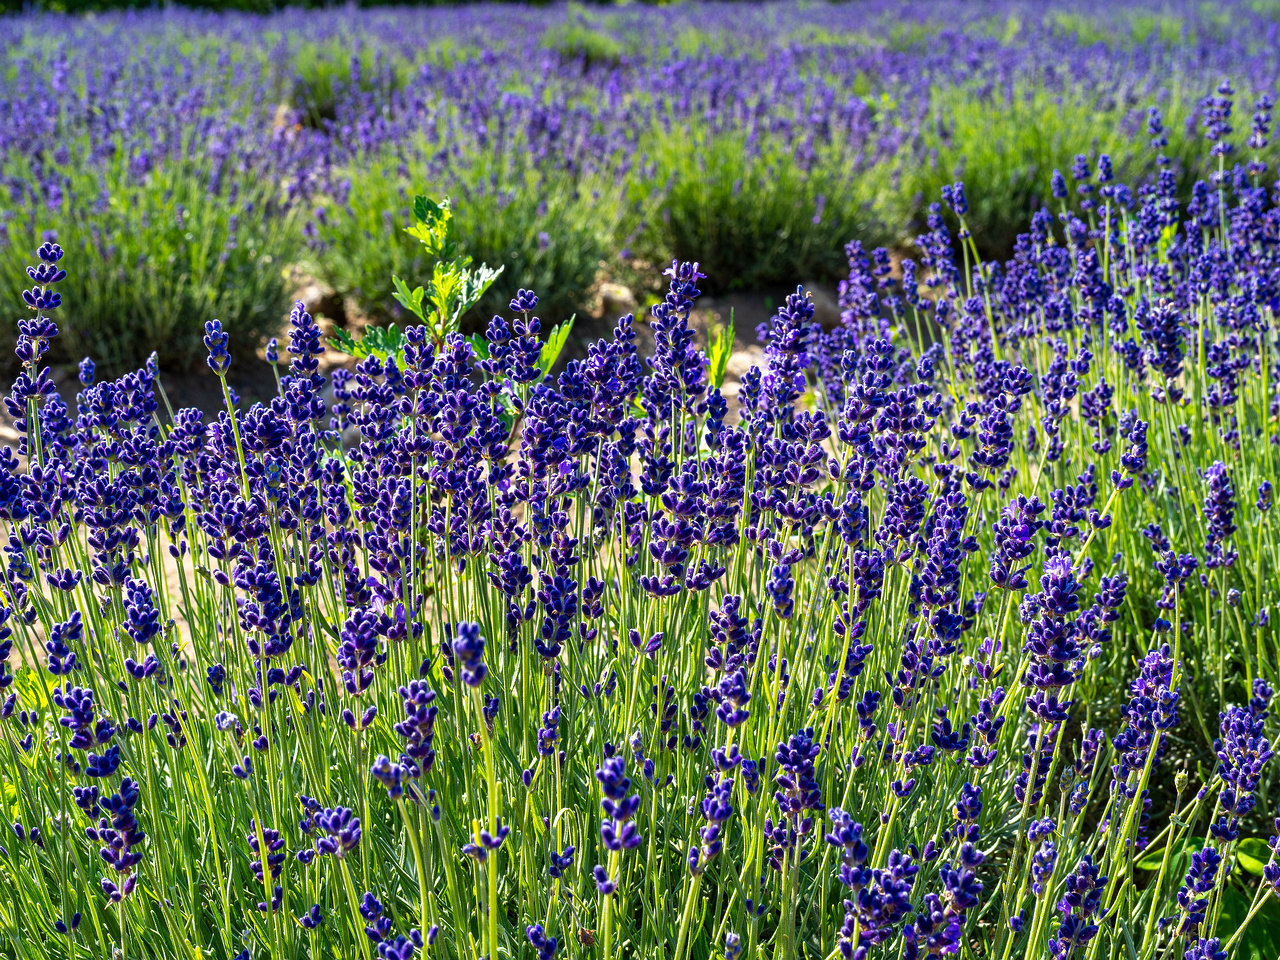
[454, 287]
[345, 343]
[1253, 854]
[381, 342]
[1179, 858]
[554, 344]
[434, 227]
[426, 210]
[1261, 941]
[719, 350]
[508, 414]
[475, 283]
[411, 300]
[480, 345]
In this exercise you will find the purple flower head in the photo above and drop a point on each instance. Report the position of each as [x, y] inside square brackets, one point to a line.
[1152, 710]
[884, 900]
[215, 341]
[616, 829]
[1201, 878]
[468, 648]
[418, 731]
[716, 809]
[80, 719]
[339, 830]
[1014, 533]
[273, 844]
[1219, 514]
[62, 660]
[560, 862]
[401, 948]
[953, 196]
[1204, 950]
[359, 650]
[1081, 905]
[544, 945]
[1042, 865]
[142, 618]
[1155, 128]
[1105, 174]
[1243, 753]
[120, 834]
[1216, 118]
[604, 884]
[789, 337]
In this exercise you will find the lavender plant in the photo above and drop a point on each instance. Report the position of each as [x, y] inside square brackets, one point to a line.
[911, 650]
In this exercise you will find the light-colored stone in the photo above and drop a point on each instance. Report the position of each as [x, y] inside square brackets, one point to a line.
[320, 299]
[826, 310]
[740, 361]
[616, 300]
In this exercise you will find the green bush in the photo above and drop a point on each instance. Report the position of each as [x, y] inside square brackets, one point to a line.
[148, 263]
[321, 71]
[584, 34]
[753, 217]
[1006, 149]
[579, 39]
[549, 231]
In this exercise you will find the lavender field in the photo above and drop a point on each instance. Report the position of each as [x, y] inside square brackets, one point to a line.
[935, 623]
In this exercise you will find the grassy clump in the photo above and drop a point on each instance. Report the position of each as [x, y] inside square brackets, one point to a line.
[156, 258]
[324, 72]
[750, 213]
[1006, 147]
[549, 230]
[580, 37]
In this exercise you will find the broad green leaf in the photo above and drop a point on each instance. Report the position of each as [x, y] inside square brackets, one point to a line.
[719, 350]
[1253, 854]
[554, 344]
[1179, 858]
[434, 227]
[387, 340]
[1261, 941]
[381, 342]
[454, 287]
[480, 345]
